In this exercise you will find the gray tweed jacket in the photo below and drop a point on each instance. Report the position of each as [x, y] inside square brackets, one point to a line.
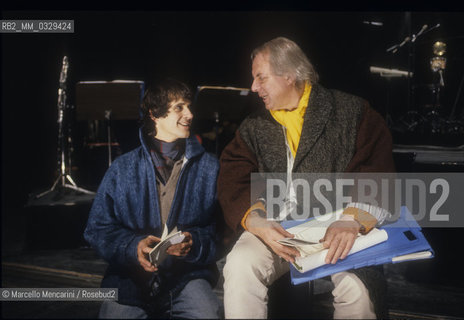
[341, 133]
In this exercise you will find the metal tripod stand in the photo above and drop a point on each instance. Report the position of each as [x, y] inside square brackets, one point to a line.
[64, 148]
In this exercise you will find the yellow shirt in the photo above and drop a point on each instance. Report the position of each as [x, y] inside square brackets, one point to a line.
[293, 120]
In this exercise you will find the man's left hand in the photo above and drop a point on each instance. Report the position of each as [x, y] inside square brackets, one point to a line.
[339, 239]
[183, 248]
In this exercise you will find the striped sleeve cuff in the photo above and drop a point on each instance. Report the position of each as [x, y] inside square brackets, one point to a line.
[258, 206]
[378, 213]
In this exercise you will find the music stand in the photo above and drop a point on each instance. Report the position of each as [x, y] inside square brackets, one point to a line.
[109, 100]
[221, 104]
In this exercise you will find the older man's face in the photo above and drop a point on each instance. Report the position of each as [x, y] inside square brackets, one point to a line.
[273, 89]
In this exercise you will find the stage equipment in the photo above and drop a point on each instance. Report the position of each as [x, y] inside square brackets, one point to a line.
[218, 111]
[421, 121]
[64, 140]
[106, 101]
[433, 155]
[411, 40]
[390, 73]
[438, 63]
[373, 23]
[435, 123]
[396, 47]
[439, 48]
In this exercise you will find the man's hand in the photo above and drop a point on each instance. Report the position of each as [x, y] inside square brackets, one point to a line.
[143, 249]
[339, 238]
[183, 248]
[269, 232]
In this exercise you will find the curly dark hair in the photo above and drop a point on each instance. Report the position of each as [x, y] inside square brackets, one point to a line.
[157, 99]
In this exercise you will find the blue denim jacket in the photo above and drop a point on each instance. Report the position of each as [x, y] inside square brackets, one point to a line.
[126, 209]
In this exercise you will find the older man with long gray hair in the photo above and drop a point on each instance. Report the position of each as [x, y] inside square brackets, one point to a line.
[303, 128]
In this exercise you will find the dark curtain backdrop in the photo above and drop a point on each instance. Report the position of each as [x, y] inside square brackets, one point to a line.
[200, 48]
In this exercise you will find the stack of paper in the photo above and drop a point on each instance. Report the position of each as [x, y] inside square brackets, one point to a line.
[158, 253]
[405, 242]
[312, 253]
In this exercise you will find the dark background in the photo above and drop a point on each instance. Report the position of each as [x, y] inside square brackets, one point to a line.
[200, 48]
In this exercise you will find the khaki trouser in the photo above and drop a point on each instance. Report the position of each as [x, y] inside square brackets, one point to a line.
[251, 267]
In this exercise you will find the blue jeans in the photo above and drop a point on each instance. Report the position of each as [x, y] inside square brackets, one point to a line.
[196, 301]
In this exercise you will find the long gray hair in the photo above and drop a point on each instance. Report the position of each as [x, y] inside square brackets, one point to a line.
[286, 57]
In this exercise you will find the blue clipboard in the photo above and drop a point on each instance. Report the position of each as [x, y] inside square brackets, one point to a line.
[404, 237]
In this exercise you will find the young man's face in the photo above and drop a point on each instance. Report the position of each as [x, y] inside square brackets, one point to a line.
[273, 89]
[176, 124]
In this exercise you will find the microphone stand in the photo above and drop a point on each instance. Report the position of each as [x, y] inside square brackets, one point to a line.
[63, 141]
[410, 40]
